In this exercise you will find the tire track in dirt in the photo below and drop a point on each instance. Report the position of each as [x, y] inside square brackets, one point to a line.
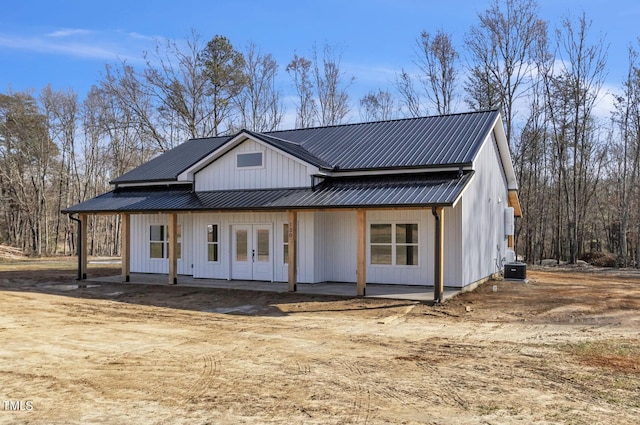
[210, 369]
[361, 404]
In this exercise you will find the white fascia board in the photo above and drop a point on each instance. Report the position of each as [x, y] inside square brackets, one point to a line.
[188, 174]
[463, 191]
[505, 154]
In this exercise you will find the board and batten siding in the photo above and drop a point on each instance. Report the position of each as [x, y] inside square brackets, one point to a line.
[225, 221]
[140, 247]
[336, 248]
[278, 171]
[483, 207]
[453, 259]
[336, 238]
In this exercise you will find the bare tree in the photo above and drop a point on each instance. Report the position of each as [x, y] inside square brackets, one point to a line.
[176, 77]
[61, 112]
[377, 106]
[410, 98]
[501, 48]
[259, 102]
[572, 96]
[128, 94]
[626, 153]
[27, 156]
[331, 85]
[300, 71]
[437, 60]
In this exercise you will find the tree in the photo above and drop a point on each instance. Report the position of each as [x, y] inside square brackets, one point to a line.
[502, 48]
[224, 68]
[176, 77]
[259, 102]
[437, 59]
[331, 86]
[27, 156]
[377, 106]
[61, 112]
[410, 98]
[299, 69]
[626, 152]
[572, 95]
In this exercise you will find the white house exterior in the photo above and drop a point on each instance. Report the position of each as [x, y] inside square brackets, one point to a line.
[425, 201]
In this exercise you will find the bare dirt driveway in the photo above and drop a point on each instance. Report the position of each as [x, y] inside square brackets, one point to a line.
[564, 348]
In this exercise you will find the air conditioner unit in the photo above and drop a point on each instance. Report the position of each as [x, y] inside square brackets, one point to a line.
[515, 271]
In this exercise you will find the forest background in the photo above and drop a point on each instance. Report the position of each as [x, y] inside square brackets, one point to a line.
[578, 168]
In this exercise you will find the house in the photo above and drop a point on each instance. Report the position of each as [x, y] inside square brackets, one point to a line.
[421, 201]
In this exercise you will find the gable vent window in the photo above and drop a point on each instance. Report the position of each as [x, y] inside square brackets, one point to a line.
[249, 160]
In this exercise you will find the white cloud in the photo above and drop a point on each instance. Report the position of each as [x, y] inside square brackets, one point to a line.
[81, 43]
[69, 32]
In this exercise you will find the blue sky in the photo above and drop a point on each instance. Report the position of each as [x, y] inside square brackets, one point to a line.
[67, 43]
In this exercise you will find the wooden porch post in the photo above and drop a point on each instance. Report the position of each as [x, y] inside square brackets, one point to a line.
[83, 246]
[361, 269]
[438, 278]
[125, 246]
[173, 248]
[293, 251]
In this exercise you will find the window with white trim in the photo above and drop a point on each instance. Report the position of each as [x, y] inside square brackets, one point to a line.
[249, 160]
[159, 241]
[393, 244]
[212, 243]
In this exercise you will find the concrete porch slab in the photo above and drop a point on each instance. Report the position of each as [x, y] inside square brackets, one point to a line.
[348, 290]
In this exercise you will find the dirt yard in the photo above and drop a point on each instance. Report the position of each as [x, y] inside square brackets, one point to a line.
[564, 348]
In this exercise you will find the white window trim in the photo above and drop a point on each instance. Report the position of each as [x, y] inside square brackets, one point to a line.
[165, 245]
[255, 167]
[212, 243]
[394, 244]
[165, 242]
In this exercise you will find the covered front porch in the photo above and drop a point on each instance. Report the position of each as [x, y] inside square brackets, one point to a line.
[422, 294]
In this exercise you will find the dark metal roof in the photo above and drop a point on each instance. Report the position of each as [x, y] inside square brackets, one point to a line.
[416, 142]
[170, 164]
[405, 190]
[292, 148]
[444, 140]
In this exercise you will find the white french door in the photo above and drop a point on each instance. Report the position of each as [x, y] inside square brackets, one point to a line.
[251, 252]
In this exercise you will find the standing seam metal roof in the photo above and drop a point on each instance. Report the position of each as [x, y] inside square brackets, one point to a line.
[443, 140]
[386, 191]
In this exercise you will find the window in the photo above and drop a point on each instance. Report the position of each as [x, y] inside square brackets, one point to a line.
[159, 241]
[249, 160]
[393, 244]
[212, 242]
[406, 244]
[285, 242]
[381, 244]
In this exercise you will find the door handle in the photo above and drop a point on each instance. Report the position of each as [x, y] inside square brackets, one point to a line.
[253, 255]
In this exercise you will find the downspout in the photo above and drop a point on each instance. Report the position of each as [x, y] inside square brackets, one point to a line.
[79, 245]
[437, 288]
